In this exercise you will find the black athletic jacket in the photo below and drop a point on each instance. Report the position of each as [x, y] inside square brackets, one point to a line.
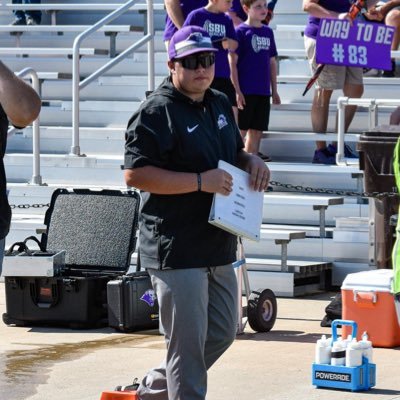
[173, 132]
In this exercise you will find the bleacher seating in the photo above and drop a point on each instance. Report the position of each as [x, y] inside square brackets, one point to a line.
[107, 104]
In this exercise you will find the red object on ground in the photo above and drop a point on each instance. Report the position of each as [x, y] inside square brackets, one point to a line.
[113, 395]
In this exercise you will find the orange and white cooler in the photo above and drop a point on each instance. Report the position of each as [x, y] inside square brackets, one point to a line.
[367, 300]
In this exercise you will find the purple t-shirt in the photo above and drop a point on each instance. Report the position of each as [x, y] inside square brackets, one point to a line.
[339, 6]
[256, 47]
[218, 26]
[238, 9]
[186, 6]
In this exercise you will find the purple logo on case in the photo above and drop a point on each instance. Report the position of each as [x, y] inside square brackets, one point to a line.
[149, 297]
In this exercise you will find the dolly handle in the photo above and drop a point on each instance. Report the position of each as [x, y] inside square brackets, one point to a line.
[337, 322]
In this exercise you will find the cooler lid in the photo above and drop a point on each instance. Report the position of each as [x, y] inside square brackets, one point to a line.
[379, 280]
[382, 133]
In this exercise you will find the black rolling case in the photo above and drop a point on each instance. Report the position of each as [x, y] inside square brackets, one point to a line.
[97, 231]
[132, 304]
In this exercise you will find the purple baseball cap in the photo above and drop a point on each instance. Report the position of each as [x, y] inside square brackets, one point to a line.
[189, 40]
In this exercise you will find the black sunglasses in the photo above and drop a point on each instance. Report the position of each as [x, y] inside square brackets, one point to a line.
[193, 62]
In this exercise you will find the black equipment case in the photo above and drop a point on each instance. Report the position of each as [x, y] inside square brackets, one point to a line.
[97, 230]
[132, 303]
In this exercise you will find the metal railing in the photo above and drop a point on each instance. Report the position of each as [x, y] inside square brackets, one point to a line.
[36, 177]
[77, 85]
[372, 105]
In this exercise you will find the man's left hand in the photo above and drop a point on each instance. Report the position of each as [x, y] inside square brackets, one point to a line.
[259, 173]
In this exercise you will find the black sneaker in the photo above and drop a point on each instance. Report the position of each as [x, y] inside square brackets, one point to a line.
[18, 21]
[129, 388]
[31, 21]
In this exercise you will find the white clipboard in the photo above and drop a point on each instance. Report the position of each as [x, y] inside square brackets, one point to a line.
[239, 213]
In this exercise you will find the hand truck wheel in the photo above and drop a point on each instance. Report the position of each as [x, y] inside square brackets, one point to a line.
[262, 310]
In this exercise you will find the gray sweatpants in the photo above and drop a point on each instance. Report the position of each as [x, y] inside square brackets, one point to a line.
[198, 315]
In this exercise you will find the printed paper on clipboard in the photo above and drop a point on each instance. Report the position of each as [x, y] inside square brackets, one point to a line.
[239, 213]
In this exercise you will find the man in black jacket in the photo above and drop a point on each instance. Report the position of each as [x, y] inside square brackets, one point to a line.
[20, 105]
[174, 142]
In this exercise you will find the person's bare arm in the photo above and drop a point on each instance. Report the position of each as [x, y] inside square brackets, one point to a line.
[174, 10]
[232, 58]
[385, 8]
[19, 100]
[274, 81]
[313, 8]
[161, 181]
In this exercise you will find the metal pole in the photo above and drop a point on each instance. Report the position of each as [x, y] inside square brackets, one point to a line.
[341, 105]
[373, 115]
[36, 177]
[150, 46]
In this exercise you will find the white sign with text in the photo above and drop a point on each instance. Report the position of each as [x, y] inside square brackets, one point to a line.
[241, 212]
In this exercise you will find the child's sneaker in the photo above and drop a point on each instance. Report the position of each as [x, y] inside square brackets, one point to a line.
[348, 152]
[323, 156]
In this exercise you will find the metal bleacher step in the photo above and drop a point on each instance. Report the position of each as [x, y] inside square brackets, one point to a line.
[67, 170]
[117, 113]
[309, 230]
[310, 248]
[58, 139]
[317, 176]
[303, 277]
[92, 113]
[63, 167]
[307, 136]
[87, 65]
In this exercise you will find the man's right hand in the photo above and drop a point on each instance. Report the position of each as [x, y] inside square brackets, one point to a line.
[216, 181]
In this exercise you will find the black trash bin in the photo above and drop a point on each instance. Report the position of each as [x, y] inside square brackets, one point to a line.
[376, 148]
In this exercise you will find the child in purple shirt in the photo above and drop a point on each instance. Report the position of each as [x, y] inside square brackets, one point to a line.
[254, 71]
[177, 11]
[219, 25]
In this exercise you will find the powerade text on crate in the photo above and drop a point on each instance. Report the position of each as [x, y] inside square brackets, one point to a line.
[349, 365]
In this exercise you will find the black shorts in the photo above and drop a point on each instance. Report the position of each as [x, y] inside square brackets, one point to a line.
[225, 85]
[255, 114]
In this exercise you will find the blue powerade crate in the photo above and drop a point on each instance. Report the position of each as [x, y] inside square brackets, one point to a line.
[355, 379]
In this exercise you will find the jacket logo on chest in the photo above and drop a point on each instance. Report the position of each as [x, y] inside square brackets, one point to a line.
[222, 121]
[191, 129]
